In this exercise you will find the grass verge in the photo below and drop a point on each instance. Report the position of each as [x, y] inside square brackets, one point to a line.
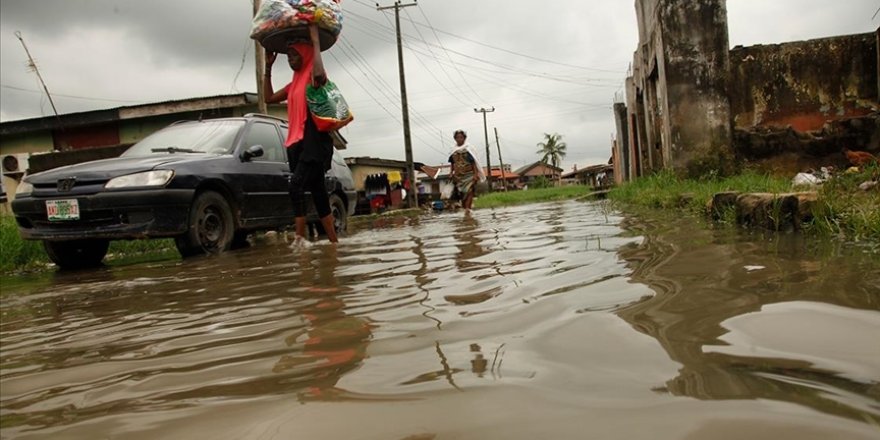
[496, 199]
[842, 210]
[17, 255]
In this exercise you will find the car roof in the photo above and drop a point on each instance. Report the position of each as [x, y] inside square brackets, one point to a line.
[249, 116]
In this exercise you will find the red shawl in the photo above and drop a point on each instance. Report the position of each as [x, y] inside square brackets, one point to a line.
[297, 109]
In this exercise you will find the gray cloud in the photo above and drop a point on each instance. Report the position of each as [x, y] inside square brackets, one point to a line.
[106, 53]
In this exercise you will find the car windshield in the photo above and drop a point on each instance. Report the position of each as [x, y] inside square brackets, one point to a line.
[205, 137]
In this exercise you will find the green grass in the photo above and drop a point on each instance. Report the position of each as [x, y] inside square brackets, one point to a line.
[848, 211]
[665, 190]
[17, 255]
[842, 209]
[496, 199]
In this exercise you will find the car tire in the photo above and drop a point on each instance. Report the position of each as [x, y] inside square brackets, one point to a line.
[340, 217]
[240, 240]
[77, 254]
[211, 226]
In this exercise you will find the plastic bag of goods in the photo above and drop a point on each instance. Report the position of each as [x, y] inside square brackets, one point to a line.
[329, 109]
[281, 22]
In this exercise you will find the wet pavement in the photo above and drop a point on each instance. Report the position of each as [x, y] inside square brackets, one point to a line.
[558, 320]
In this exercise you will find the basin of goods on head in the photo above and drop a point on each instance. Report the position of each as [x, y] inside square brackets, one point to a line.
[278, 23]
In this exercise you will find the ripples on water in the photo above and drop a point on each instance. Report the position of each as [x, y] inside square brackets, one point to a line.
[504, 324]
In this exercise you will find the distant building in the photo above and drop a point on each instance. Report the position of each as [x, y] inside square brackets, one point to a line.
[434, 179]
[529, 173]
[507, 175]
[596, 176]
[363, 169]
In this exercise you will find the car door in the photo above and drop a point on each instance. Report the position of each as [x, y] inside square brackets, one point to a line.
[264, 179]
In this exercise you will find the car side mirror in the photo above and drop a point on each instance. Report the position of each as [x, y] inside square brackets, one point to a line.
[252, 152]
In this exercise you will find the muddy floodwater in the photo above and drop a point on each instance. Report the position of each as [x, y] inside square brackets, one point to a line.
[549, 321]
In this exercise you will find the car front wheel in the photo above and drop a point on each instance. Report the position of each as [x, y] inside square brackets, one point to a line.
[76, 254]
[211, 227]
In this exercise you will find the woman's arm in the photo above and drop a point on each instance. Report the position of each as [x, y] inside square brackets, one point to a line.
[270, 96]
[319, 76]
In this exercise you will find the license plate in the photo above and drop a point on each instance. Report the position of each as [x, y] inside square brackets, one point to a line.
[60, 210]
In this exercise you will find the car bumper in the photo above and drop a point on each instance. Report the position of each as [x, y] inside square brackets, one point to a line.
[110, 215]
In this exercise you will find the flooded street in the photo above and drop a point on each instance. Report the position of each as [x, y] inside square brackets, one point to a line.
[558, 321]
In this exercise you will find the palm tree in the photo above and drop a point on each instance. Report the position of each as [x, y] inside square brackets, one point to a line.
[552, 149]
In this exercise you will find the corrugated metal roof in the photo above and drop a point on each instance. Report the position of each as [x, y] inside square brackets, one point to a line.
[126, 112]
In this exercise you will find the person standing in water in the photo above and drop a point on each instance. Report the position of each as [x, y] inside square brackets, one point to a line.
[309, 151]
[466, 169]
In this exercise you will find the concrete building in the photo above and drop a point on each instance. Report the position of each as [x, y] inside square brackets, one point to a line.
[796, 106]
[696, 106]
[679, 71]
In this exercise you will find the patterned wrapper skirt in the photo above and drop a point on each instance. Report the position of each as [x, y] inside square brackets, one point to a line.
[464, 170]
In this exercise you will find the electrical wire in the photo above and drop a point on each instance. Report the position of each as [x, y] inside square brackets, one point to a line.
[441, 68]
[247, 47]
[463, 78]
[507, 68]
[367, 70]
[68, 96]
[508, 51]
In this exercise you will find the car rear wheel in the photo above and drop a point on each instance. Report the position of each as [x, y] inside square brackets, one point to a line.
[76, 254]
[211, 227]
[340, 217]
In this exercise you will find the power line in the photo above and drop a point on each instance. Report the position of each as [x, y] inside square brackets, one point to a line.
[66, 96]
[367, 70]
[501, 49]
[247, 48]
[367, 91]
[463, 78]
[509, 86]
[493, 64]
[441, 68]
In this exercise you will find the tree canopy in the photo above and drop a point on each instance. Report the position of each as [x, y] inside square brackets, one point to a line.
[552, 150]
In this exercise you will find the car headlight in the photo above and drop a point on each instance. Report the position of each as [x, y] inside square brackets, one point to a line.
[146, 179]
[24, 188]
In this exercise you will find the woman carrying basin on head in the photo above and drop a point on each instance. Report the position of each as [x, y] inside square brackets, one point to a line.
[309, 151]
[466, 169]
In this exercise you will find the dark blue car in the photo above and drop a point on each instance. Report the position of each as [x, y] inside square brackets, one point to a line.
[205, 183]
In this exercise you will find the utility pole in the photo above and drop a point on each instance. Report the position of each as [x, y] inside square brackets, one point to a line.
[503, 177]
[407, 138]
[260, 54]
[486, 134]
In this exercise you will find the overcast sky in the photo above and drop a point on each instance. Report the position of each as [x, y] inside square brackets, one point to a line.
[546, 67]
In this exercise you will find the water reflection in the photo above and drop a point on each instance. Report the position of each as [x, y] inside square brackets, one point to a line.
[511, 323]
[707, 281]
[468, 259]
[331, 343]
